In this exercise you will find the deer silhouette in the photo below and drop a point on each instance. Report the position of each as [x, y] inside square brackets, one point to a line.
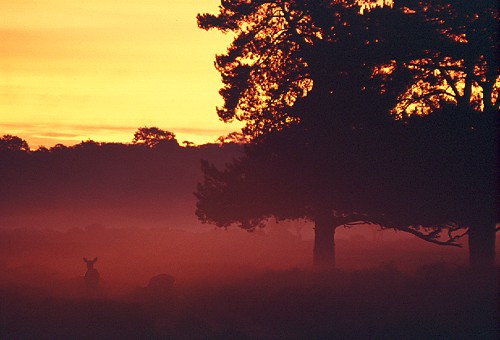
[92, 275]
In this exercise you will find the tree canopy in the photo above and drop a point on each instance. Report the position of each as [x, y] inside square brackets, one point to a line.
[152, 136]
[13, 143]
[282, 50]
[427, 52]
[457, 61]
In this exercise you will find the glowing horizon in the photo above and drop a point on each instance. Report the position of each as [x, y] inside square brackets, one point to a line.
[72, 71]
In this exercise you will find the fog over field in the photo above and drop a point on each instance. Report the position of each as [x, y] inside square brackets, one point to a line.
[235, 284]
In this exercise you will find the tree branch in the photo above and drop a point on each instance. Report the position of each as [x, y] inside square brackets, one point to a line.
[351, 224]
[436, 67]
[443, 70]
[432, 239]
[449, 80]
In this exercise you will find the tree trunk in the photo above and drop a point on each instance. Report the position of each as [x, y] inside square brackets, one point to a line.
[485, 280]
[464, 101]
[324, 241]
[487, 100]
[482, 246]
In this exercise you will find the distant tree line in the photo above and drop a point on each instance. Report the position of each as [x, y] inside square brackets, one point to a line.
[149, 182]
[145, 136]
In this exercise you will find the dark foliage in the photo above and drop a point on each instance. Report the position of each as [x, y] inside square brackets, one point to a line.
[154, 137]
[13, 144]
[326, 148]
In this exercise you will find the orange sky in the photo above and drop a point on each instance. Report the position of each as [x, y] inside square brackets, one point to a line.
[71, 70]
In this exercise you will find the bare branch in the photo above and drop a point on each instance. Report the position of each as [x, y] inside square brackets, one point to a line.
[428, 238]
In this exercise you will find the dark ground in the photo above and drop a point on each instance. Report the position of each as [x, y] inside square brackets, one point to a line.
[232, 285]
[293, 304]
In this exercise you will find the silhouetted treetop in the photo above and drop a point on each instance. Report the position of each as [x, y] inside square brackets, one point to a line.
[88, 144]
[13, 143]
[233, 137]
[153, 136]
[269, 64]
[426, 53]
[455, 60]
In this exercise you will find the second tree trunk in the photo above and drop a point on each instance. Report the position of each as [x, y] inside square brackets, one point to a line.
[324, 240]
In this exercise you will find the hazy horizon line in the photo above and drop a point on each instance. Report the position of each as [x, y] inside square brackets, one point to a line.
[46, 135]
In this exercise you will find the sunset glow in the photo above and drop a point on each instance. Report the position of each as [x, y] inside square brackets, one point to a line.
[247, 169]
[72, 70]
